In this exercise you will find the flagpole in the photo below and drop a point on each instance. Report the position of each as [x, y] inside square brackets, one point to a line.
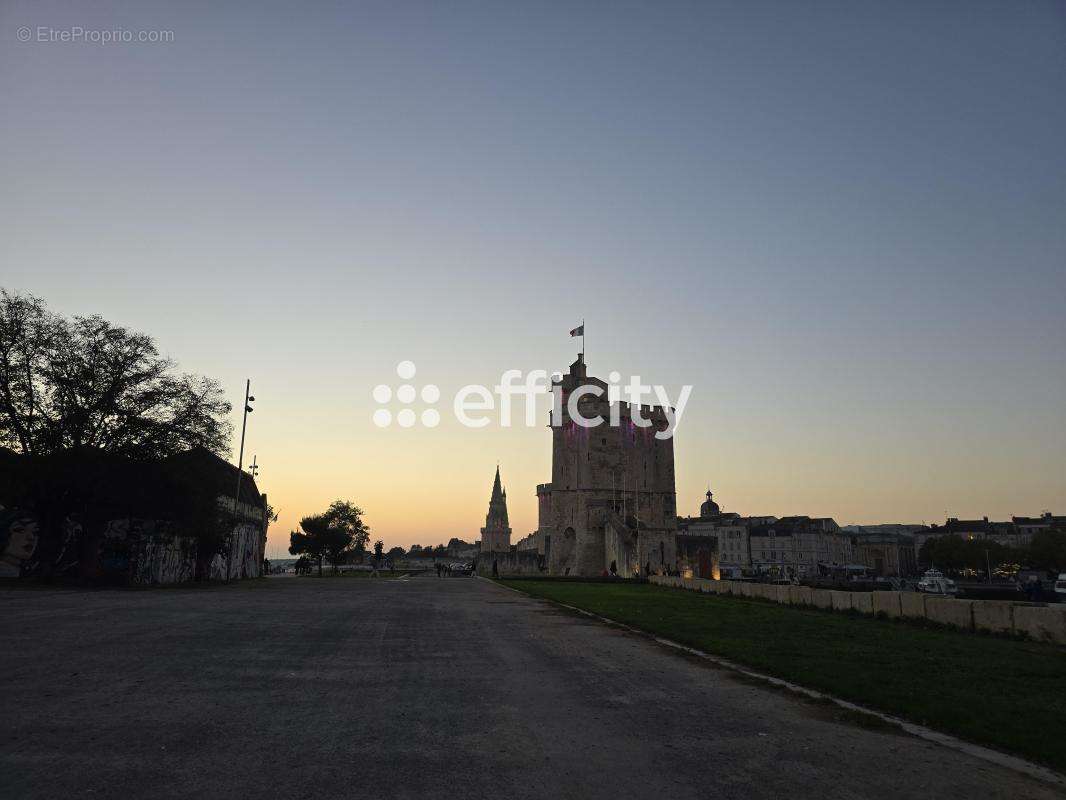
[585, 360]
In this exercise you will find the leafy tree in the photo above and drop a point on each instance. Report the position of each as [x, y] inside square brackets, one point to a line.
[348, 516]
[395, 553]
[379, 548]
[1048, 550]
[311, 540]
[331, 536]
[953, 554]
[67, 384]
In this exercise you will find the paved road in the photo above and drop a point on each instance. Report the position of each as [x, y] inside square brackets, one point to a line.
[361, 688]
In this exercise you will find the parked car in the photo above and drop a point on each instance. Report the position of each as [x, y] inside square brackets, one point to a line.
[1060, 586]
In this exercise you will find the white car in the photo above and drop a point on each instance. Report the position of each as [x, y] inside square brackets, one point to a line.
[1060, 584]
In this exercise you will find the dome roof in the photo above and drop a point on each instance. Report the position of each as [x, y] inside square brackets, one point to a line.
[709, 508]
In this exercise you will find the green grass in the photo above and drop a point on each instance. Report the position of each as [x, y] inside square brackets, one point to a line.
[1005, 693]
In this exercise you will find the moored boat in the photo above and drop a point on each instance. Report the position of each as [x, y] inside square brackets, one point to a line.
[934, 582]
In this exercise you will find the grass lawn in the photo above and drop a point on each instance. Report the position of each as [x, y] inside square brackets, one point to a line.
[1000, 692]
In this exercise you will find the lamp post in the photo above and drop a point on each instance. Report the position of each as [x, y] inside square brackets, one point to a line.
[248, 400]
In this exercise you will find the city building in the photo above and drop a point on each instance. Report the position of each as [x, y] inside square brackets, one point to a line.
[1026, 527]
[799, 547]
[887, 554]
[1017, 533]
[697, 542]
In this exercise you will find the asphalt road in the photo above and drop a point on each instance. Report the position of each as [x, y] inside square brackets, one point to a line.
[300, 687]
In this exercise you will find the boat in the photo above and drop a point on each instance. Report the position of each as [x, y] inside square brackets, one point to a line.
[934, 582]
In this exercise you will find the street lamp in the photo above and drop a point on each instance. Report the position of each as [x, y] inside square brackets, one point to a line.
[248, 400]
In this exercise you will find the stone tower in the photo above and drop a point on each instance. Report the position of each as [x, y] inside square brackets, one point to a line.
[496, 535]
[611, 499]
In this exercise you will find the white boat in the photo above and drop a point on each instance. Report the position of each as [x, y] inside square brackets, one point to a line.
[934, 582]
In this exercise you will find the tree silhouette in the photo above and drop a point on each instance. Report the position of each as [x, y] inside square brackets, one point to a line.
[331, 536]
[68, 384]
[1048, 550]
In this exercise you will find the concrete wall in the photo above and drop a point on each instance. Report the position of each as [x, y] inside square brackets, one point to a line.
[822, 598]
[246, 555]
[1041, 623]
[994, 616]
[840, 601]
[949, 611]
[913, 604]
[800, 596]
[1038, 622]
[887, 603]
[863, 602]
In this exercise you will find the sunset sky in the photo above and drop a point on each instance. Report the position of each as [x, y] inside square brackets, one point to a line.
[843, 224]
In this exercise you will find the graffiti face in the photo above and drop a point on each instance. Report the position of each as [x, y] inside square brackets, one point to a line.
[20, 542]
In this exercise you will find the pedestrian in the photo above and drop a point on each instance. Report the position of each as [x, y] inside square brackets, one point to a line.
[495, 569]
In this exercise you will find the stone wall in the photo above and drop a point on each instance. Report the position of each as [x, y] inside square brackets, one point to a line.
[514, 562]
[1039, 622]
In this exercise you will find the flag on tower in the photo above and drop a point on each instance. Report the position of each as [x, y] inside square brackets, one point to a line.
[579, 330]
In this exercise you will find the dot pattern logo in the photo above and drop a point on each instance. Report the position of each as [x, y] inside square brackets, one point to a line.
[406, 395]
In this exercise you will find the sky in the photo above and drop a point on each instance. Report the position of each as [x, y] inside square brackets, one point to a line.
[843, 224]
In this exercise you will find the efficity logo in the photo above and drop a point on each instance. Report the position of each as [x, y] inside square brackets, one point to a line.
[474, 404]
[406, 395]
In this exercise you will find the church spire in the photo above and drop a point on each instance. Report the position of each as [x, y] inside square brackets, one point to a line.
[497, 490]
[496, 535]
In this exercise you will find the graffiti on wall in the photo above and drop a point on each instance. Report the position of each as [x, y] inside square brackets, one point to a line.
[134, 551]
